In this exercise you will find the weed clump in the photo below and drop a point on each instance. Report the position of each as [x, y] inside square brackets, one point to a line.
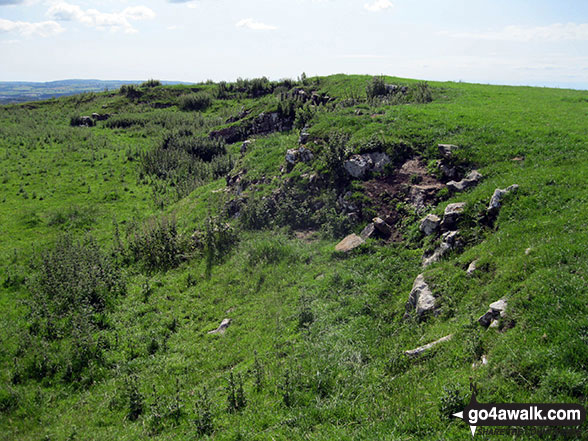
[197, 101]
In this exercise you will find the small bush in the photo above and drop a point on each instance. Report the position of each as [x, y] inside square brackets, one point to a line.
[130, 91]
[422, 93]
[375, 88]
[195, 101]
[151, 83]
[203, 414]
[158, 245]
[124, 122]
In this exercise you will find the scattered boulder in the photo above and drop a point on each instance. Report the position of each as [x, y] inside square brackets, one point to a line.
[349, 243]
[471, 180]
[429, 224]
[472, 268]
[392, 89]
[222, 327]
[451, 215]
[496, 311]
[420, 298]
[499, 194]
[359, 165]
[382, 226]
[368, 231]
[482, 362]
[301, 154]
[421, 349]
[447, 150]
[83, 121]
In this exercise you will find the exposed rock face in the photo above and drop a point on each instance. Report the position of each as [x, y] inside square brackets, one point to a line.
[222, 327]
[471, 180]
[496, 311]
[499, 194]
[421, 349]
[304, 136]
[100, 116]
[420, 298]
[395, 88]
[263, 124]
[359, 165]
[429, 224]
[85, 121]
[349, 243]
[451, 215]
[301, 154]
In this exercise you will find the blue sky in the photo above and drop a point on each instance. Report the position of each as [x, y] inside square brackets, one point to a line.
[528, 42]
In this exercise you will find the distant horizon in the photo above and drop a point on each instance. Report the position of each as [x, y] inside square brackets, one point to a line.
[570, 86]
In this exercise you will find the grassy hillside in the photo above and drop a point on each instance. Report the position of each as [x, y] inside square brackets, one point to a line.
[125, 239]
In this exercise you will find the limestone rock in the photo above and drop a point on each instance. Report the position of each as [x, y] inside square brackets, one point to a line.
[245, 146]
[301, 154]
[368, 231]
[349, 243]
[472, 268]
[499, 194]
[451, 215]
[379, 161]
[421, 349]
[358, 165]
[429, 224]
[420, 298]
[304, 136]
[471, 180]
[449, 241]
[496, 311]
[222, 327]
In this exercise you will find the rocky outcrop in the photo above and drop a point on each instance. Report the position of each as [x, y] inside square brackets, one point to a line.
[263, 124]
[301, 154]
[100, 116]
[382, 227]
[447, 150]
[358, 166]
[496, 311]
[451, 216]
[304, 136]
[222, 327]
[349, 243]
[368, 231]
[393, 89]
[421, 349]
[499, 194]
[420, 298]
[471, 180]
[429, 224]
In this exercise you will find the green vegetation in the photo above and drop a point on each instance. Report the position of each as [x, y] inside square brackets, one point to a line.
[125, 242]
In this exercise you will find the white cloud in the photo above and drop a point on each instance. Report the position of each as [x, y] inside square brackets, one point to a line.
[249, 23]
[25, 28]
[101, 20]
[378, 5]
[553, 32]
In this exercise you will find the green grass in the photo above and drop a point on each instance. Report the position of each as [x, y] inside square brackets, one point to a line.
[317, 338]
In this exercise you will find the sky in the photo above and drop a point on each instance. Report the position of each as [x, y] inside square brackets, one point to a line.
[516, 42]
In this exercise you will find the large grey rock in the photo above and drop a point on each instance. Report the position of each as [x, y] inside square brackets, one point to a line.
[222, 327]
[496, 311]
[358, 165]
[349, 243]
[429, 224]
[379, 161]
[471, 180]
[420, 298]
[499, 194]
[421, 349]
[451, 215]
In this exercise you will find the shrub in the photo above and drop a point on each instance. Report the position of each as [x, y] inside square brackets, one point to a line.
[78, 120]
[195, 101]
[375, 88]
[130, 91]
[124, 121]
[151, 83]
[158, 245]
[422, 93]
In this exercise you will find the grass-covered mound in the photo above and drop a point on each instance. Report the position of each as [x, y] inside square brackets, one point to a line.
[123, 243]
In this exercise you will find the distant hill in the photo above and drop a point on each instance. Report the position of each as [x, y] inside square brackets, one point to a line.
[21, 91]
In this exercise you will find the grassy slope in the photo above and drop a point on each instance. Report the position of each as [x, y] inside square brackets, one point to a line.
[346, 372]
